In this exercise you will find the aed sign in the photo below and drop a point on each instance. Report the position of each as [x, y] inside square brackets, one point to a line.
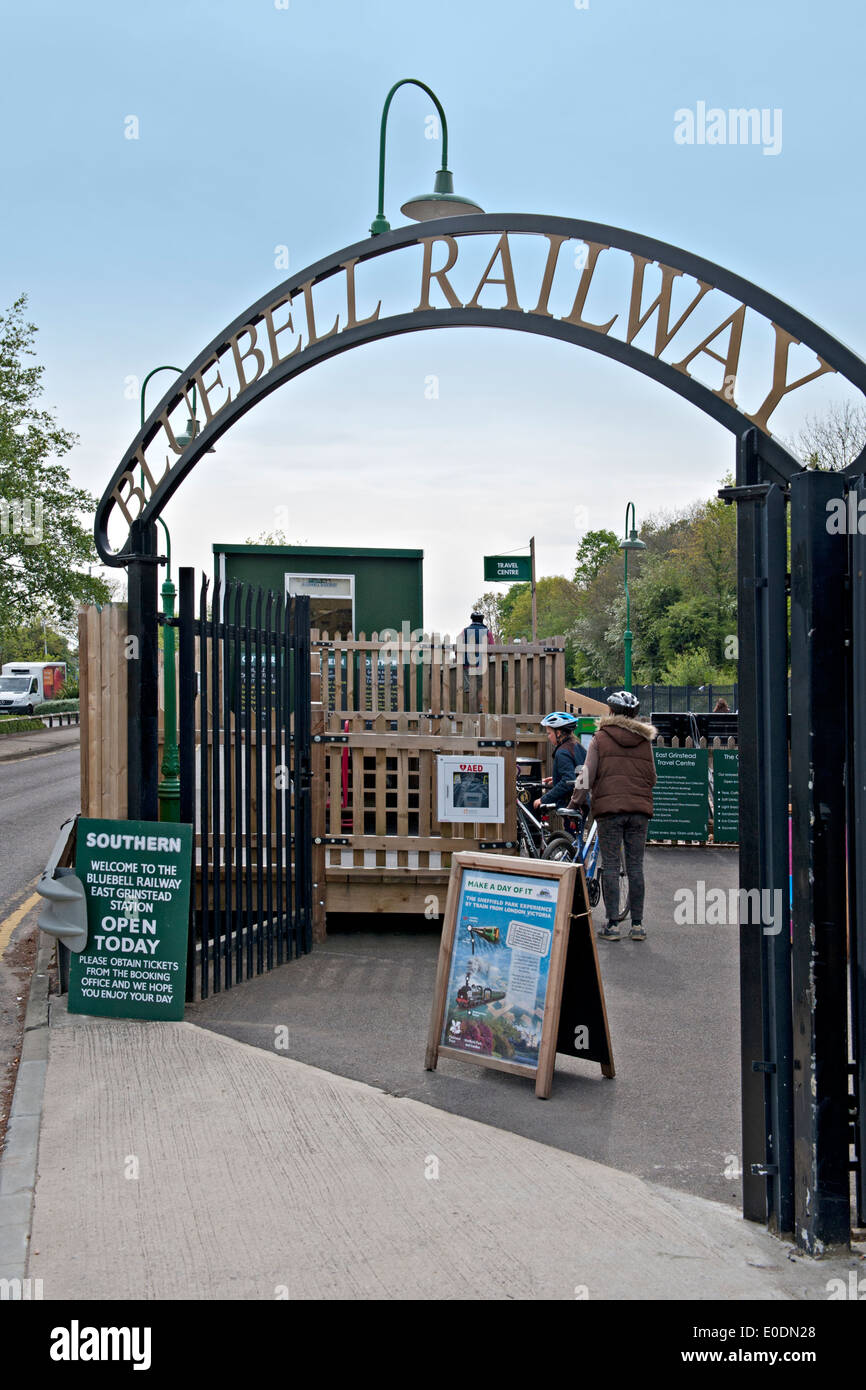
[470, 789]
[508, 569]
[136, 877]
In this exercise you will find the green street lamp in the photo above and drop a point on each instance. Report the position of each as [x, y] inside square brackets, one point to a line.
[443, 201]
[629, 542]
[169, 787]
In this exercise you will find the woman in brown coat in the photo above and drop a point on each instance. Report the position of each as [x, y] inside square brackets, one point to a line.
[620, 775]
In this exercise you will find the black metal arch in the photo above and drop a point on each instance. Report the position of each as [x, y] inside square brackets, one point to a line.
[776, 458]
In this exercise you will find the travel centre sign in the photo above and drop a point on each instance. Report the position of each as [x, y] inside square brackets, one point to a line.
[606, 291]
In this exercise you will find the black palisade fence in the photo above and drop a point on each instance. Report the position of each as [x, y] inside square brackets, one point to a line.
[245, 778]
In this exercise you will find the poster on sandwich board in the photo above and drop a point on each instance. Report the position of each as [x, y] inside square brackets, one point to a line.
[511, 927]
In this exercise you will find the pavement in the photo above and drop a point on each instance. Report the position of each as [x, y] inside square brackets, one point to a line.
[175, 1161]
[38, 741]
[359, 1005]
[178, 1164]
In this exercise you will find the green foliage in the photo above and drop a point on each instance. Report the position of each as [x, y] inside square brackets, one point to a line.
[57, 707]
[69, 689]
[27, 642]
[491, 606]
[594, 551]
[694, 667]
[507, 600]
[557, 604]
[44, 547]
[20, 725]
[682, 592]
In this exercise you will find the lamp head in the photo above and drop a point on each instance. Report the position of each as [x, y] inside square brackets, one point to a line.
[631, 542]
[442, 202]
[189, 433]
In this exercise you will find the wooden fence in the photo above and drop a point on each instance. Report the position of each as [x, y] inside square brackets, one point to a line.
[376, 831]
[395, 846]
[102, 679]
[384, 673]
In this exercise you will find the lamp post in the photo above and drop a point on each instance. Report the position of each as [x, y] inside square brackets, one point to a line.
[443, 201]
[169, 787]
[629, 542]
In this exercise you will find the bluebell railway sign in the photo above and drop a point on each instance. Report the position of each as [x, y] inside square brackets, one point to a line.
[284, 334]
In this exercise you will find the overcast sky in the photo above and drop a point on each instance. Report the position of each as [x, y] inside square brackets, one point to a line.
[257, 128]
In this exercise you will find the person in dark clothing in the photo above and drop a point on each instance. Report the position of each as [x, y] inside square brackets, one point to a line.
[474, 640]
[568, 756]
[620, 776]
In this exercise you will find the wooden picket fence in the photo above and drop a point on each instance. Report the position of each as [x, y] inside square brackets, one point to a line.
[691, 743]
[376, 674]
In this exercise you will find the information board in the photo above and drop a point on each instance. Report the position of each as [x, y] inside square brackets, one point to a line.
[502, 966]
[508, 569]
[726, 796]
[681, 796]
[136, 877]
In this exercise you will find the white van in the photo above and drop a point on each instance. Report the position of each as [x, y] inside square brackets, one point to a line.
[26, 684]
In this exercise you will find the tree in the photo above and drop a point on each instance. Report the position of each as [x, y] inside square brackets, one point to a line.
[507, 603]
[277, 537]
[708, 554]
[29, 643]
[491, 606]
[682, 590]
[44, 547]
[594, 551]
[557, 603]
[831, 441]
[693, 666]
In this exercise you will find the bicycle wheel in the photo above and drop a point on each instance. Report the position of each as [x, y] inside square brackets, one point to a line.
[561, 848]
[623, 888]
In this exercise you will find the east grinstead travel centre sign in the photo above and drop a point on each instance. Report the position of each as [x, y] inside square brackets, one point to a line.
[659, 309]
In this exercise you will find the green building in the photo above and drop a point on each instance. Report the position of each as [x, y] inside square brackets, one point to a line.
[358, 590]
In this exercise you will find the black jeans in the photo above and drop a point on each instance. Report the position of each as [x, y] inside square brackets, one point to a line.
[614, 830]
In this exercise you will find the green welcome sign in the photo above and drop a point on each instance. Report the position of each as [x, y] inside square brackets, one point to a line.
[136, 877]
[508, 569]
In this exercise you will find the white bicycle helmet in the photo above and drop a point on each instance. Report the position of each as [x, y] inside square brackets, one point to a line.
[623, 702]
[559, 720]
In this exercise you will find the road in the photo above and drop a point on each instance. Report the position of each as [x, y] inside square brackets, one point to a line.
[36, 795]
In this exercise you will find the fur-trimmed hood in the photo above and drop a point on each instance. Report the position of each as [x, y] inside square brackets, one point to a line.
[637, 728]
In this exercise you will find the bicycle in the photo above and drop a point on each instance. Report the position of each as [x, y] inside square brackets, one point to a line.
[583, 848]
[531, 833]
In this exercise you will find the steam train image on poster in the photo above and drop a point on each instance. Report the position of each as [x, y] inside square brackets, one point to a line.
[473, 996]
